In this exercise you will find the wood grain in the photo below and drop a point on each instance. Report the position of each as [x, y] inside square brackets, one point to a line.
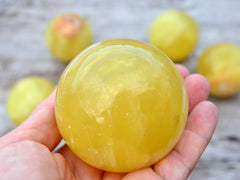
[23, 53]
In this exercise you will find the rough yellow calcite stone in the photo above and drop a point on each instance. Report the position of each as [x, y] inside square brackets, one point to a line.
[121, 105]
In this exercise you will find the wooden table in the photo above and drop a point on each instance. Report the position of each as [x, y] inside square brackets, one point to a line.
[23, 53]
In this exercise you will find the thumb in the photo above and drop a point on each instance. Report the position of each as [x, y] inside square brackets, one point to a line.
[40, 126]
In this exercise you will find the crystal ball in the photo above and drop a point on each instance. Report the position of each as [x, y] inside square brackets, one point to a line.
[175, 33]
[121, 105]
[25, 95]
[220, 64]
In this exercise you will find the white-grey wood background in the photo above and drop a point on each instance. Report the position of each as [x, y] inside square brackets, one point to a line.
[23, 53]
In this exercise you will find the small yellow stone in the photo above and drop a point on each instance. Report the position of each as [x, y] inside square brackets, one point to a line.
[25, 95]
[220, 64]
[175, 33]
[121, 105]
[67, 35]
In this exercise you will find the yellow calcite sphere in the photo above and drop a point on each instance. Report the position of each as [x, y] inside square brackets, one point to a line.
[175, 33]
[67, 35]
[220, 64]
[121, 105]
[25, 95]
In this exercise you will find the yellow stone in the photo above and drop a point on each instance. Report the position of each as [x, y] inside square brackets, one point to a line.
[121, 105]
[25, 95]
[67, 35]
[220, 64]
[175, 33]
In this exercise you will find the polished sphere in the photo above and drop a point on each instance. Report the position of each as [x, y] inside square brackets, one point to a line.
[220, 64]
[25, 95]
[175, 33]
[67, 35]
[121, 105]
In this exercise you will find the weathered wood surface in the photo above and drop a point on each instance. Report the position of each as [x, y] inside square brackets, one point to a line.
[23, 52]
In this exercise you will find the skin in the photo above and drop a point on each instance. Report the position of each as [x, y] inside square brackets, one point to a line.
[26, 152]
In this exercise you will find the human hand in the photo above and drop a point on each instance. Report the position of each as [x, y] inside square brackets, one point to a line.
[26, 152]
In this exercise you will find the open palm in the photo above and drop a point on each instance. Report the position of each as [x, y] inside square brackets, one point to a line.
[26, 152]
